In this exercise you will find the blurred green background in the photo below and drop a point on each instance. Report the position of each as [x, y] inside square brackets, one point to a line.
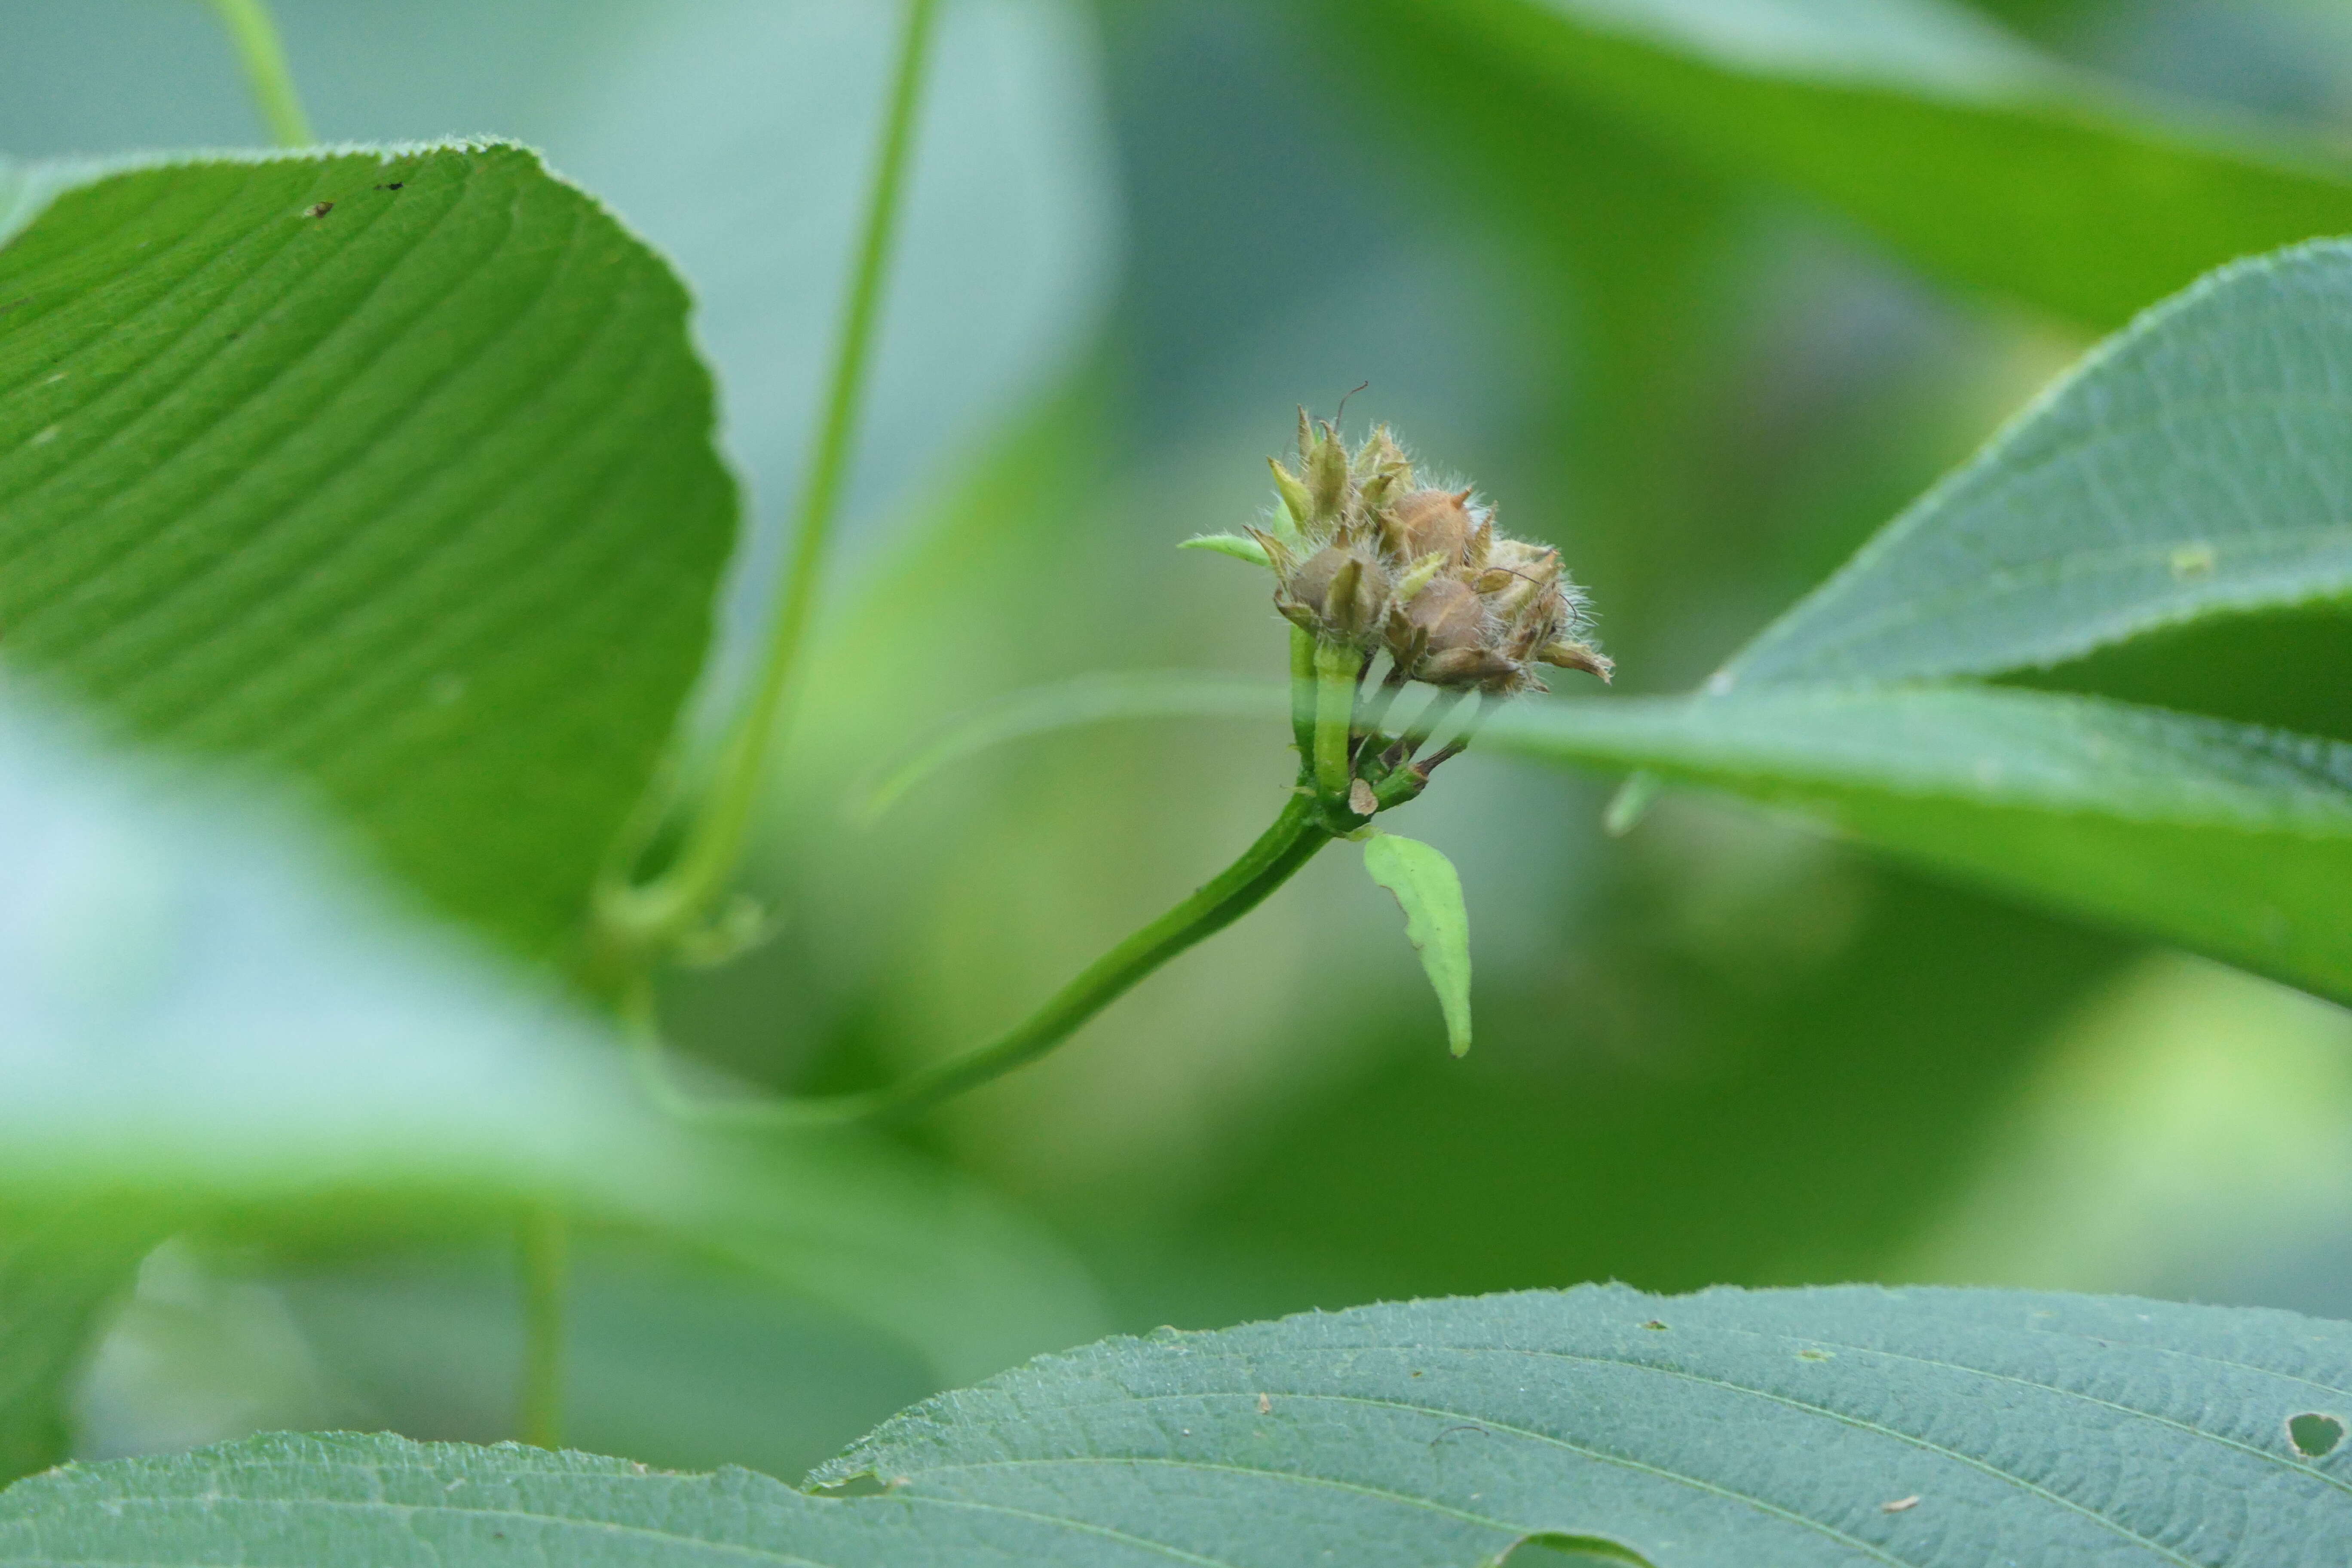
[1721, 1048]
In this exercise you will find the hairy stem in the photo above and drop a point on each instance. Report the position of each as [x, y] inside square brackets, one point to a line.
[263, 56]
[644, 918]
[1296, 834]
[540, 1258]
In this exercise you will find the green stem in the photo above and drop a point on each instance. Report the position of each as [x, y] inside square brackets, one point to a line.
[541, 1247]
[1302, 696]
[1337, 668]
[1296, 834]
[255, 35]
[644, 918]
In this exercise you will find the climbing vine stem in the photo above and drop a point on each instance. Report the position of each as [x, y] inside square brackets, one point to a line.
[642, 919]
[263, 55]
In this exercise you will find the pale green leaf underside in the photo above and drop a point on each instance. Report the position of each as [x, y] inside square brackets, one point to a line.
[1436, 923]
[2195, 464]
[1916, 118]
[200, 1017]
[390, 470]
[1723, 1430]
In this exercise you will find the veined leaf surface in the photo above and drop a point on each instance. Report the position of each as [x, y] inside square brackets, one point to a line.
[1851, 1425]
[2194, 465]
[389, 470]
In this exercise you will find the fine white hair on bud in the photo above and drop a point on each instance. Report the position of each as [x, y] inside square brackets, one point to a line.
[1385, 563]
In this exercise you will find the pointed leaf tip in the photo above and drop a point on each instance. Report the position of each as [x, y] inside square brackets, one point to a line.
[1437, 921]
[1232, 545]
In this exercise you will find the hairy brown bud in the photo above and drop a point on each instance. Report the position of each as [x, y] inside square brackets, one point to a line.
[1451, 614]
[1340, 593]
[1375, 560]
[1427, 521]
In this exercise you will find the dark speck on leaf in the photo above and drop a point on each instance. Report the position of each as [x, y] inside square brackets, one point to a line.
[1653, 1324]
[320, 210]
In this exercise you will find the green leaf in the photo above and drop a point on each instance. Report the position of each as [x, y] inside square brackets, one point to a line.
[2194, 465]
[1429, 890]
[1913, 117]
[1794, 1427]
[2227, 838]
[386, 471]
[202, 1016]
[1238, 546]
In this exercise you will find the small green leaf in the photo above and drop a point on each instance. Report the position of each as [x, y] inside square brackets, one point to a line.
[1239, 546]
[387, 472]
[1435, 921]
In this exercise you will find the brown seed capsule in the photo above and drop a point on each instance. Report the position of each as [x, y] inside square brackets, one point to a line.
[1450, 614]
[1341, 590]
[1425, 520]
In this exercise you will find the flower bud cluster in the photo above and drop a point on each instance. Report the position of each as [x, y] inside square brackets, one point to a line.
[1366, 557]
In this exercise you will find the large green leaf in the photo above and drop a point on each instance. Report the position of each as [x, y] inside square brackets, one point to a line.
[204, 1023]
[1969, 153]
[1730, 1428]
[2224, 838]
[2194, 465]
[389, 470]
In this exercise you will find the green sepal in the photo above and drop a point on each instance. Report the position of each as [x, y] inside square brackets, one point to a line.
[1234, 545]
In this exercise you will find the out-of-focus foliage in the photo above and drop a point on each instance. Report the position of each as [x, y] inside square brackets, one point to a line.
[207, 1030]
[1685, 310]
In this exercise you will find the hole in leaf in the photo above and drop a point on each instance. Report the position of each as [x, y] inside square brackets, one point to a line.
[2314, 1436]
[1553, 1549]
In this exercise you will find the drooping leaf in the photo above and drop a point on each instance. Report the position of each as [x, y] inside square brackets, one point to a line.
[1436, 923]
[1914, 117]
[1721, 1430]
[2226, 838]
[203, 1016]
[2193, 466]
[389, 472]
